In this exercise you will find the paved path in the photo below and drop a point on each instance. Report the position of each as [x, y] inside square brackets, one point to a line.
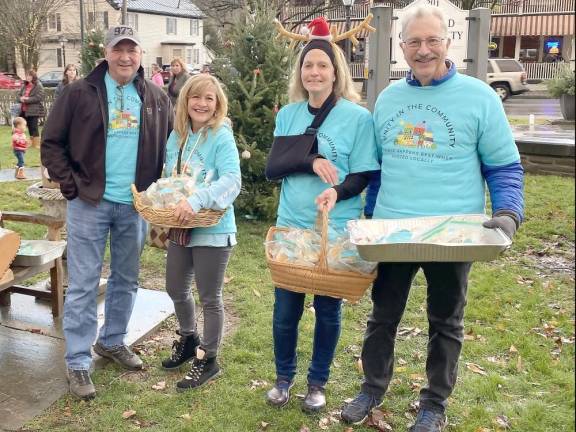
[7, 175]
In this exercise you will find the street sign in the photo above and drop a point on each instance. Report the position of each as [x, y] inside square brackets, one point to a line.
[457, 32]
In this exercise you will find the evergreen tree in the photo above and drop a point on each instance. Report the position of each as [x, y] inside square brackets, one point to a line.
[92, 50]
[254, 65]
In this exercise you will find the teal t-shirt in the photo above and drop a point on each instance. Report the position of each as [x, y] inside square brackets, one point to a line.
[217, 154]
[345, 138]
[433, 140]
[124, 106]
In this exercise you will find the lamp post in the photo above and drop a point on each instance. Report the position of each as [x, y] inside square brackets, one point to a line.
[348, 5]
[63, 41]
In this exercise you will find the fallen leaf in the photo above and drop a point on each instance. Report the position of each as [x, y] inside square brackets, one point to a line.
[304, 429]
[254, 384]
[128, 414]
[264, 425]
[502, 422]
[476, 369]
[414, 407]
[227, 279]
[160, 385]
[402, 362]
[400, 369]
[513, 349]
[483, 429]
[519, 365]
[256, 292]
[324, 423]
[186, 417]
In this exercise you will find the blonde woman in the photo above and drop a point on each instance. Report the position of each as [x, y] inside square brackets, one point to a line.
[178, 77]
[202, 142]
[331, 175]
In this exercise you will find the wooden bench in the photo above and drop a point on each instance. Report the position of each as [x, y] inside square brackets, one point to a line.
[56, 292]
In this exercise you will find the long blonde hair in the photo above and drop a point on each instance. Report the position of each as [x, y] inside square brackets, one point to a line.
[196, 85]
[343, 85]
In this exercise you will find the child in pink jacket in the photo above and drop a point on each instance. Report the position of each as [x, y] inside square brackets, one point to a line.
[19, 145]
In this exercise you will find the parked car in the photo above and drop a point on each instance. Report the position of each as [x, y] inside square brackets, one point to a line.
[507, 77]
[9, 81]
[51, 79]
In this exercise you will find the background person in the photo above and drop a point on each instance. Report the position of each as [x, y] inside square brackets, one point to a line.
[69, 75]
[31, 98]
[178, 77]
[157, 77]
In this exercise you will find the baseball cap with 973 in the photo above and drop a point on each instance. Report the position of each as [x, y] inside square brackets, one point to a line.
[120, 33]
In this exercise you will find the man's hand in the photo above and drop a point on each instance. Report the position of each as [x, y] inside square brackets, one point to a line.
[183, 212]
[504, 222]
[327, 199]
[325, 170]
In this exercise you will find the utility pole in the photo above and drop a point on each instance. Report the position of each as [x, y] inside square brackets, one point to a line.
[124, 11]
[81, 22]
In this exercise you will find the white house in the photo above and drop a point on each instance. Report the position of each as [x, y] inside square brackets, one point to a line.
[167, 29]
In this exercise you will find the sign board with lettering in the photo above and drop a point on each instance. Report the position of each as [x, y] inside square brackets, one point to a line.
[457, 32]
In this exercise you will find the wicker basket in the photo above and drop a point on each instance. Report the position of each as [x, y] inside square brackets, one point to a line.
[165, 217]
[318, 279]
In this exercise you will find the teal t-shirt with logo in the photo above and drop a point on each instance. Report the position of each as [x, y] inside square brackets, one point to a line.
[124, 106]
[345, 138]
[433, 140]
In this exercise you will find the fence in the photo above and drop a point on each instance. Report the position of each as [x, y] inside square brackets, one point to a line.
[8, 98]
[543, 71]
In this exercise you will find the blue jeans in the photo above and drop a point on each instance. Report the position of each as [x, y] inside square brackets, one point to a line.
[288, 309]
[19, 157]
[88, 228]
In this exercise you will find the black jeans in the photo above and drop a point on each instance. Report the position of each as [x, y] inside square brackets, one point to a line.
[32, 122]
[446, 299]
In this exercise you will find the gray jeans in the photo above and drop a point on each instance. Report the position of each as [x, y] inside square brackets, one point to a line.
[207, 265]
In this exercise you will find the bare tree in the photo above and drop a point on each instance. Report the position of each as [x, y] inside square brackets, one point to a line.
[23, 24]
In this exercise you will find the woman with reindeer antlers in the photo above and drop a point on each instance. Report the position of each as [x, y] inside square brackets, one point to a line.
[328, 173]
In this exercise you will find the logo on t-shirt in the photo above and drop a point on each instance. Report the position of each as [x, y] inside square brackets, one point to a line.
[123, 120]
[415, 135]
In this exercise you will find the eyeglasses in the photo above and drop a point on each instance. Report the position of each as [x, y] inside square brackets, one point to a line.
[433, 42]
[120, 98]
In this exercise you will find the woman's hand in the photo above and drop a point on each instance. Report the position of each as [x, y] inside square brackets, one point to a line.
[23, 98]
[327, 199]
[325, 170]
[183, 212]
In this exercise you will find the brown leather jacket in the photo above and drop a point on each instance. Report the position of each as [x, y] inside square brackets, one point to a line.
[74, 137]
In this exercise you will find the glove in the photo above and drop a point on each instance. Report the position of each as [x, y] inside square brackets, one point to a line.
[505, 222]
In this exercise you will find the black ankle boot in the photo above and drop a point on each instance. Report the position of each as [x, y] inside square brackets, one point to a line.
[202, 371]
[182, 351]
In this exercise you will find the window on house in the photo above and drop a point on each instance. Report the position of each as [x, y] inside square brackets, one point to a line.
[194, 27]
[51, 57]
[132, 20]
[189, 56]
[100, 20]
[196, 56]
[54, 22]
[177, 52]
[171, 26]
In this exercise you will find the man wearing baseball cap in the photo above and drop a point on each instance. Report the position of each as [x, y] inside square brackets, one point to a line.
[104, 133]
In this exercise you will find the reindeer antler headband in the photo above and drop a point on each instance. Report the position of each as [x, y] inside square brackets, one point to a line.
[320, 29]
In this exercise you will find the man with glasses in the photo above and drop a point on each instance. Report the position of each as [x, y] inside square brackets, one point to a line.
[104, 133]
[441, 137]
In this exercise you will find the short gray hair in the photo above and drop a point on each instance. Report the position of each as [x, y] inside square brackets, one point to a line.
[421, 12]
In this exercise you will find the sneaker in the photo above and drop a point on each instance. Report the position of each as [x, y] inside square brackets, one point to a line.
[203, 370]
[358, 409]
[182, 351]
[315, 399]
[429, 421]
[279, 395]
[81, 384]
[121, 354]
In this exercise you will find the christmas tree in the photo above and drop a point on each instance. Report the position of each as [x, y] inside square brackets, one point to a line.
[254, 65]
[92, 50]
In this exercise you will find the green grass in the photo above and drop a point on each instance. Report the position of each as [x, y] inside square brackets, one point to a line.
[7, 158]
[510, 301]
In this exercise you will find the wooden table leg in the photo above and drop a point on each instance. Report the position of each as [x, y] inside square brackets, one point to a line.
[57, 288]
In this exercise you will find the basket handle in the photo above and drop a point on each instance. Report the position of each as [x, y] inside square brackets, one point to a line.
[323, 257]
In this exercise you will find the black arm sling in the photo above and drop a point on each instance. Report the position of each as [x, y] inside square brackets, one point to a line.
[290, 153]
